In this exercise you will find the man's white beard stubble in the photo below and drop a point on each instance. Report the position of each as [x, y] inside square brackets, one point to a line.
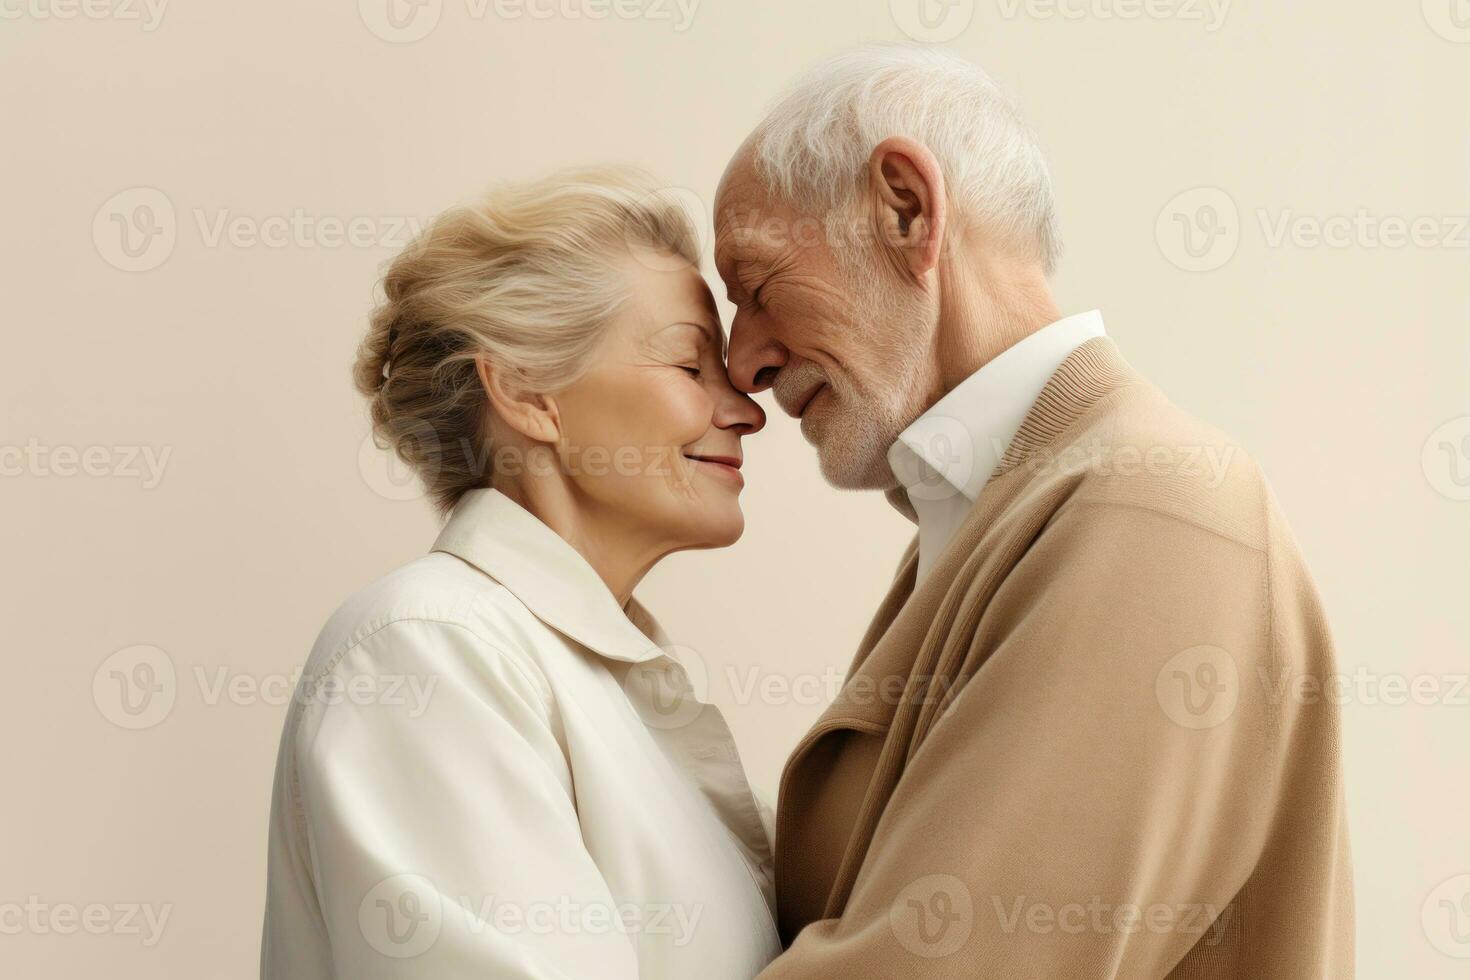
[864, 419]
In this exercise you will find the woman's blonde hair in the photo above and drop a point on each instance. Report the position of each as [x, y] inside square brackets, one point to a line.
[527, 276]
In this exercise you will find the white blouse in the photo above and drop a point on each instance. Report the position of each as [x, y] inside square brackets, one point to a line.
[489, 770]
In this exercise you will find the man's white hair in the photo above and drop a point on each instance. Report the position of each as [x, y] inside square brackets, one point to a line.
[813, 147]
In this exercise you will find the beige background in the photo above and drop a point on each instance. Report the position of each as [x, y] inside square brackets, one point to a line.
[1345, 368]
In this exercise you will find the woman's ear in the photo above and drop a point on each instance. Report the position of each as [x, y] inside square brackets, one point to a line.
[533, 416]
[909, 198]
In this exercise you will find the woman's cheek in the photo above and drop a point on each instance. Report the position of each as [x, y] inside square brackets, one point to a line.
[687, 414]
[686, 417]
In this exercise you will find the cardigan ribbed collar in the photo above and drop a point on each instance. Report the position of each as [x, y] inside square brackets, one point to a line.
[1090, 373]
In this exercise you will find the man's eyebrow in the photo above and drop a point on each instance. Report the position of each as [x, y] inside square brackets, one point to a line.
[734, 285]
[726, 263]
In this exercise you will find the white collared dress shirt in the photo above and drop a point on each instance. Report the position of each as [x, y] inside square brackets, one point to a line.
[491, 769]
[945, 458]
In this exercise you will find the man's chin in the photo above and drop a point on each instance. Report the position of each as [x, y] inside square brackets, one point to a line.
[852, 449]
[847, 470]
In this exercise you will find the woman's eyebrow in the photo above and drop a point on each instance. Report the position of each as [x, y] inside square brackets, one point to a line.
[703, 328]
[714, 336]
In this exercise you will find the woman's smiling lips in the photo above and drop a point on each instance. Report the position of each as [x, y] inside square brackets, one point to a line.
[727, 466]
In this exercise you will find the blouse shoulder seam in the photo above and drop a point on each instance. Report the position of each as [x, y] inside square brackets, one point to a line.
[537, 683]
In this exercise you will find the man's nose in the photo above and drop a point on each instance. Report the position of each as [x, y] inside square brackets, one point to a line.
[755, 357]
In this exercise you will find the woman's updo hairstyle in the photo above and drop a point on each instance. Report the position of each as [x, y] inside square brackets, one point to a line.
[528, 275]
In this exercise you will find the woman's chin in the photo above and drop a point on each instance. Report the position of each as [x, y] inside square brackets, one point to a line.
[722, 530]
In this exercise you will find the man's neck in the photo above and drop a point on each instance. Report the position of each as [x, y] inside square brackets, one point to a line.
[987, 306]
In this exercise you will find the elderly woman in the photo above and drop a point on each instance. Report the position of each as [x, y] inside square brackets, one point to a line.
[494, 765]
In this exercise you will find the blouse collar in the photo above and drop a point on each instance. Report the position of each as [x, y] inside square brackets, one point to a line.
[551, 578]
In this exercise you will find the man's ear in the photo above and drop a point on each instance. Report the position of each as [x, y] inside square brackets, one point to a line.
[533, 416]
[909, 196]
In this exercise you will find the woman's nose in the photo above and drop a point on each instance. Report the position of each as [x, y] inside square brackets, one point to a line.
[739, 413]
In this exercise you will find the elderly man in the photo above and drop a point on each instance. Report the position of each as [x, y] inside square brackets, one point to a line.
[1077, 739]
